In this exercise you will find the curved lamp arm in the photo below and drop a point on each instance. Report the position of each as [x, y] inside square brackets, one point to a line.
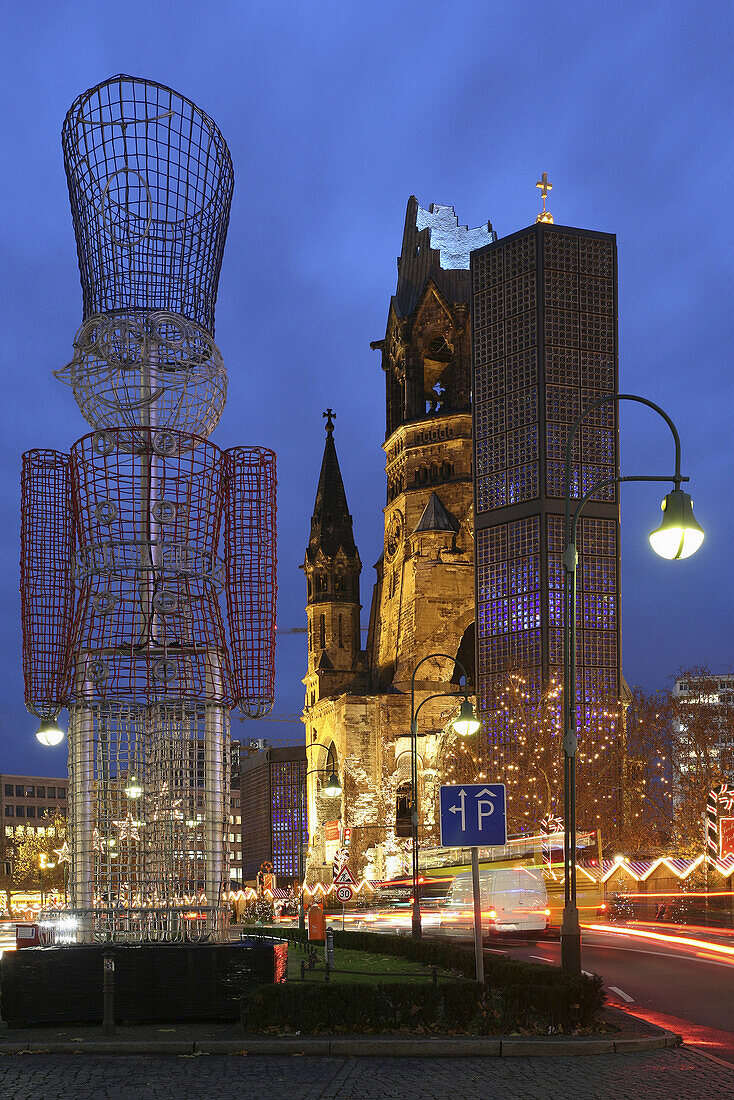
[614, 399]
[437, 695]
[330, 754]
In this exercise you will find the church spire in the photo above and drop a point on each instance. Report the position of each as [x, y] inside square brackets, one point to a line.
[332, 569]
[331, 523]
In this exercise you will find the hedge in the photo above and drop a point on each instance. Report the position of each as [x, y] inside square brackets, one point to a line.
[516, 994]
[310, 1009]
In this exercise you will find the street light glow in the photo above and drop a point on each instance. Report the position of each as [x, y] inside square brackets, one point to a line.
[333, 787]
[49, 733]
[466, 722]
[679, 535]
[133, 789]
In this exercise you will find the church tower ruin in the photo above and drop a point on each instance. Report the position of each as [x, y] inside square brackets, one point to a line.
[357, 706]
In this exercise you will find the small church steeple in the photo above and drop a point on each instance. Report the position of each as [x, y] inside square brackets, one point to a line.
[332, 569]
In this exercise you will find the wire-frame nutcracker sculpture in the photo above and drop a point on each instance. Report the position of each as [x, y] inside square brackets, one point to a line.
[124, 593]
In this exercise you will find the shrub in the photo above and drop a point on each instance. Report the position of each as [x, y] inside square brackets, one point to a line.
[394, 1006]
[517, 994]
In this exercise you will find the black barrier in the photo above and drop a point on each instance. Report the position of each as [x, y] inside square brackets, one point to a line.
[145, 983]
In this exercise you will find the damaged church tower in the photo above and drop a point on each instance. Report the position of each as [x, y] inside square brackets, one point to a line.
[423, 597]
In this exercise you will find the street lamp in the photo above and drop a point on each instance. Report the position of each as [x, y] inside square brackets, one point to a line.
[678, 536]
[43, 865]
[332, 789]
[49, 733]
[465, 724]
[133, 789]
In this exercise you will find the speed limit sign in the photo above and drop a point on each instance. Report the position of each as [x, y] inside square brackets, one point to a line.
[344, 893]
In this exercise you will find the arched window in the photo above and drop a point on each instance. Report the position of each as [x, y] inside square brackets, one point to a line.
[322, 631]
[341, 643]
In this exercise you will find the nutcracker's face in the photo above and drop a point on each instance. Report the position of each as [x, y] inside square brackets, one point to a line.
[153, 369]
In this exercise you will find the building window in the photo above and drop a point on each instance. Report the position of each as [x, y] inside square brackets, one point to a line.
[51, 792]
[61, 792]
[40, 792]
[8, 790]
[18, 791]
[322, 631]
[8, 811]
[20, 811]
[30, 811]
[341, 643]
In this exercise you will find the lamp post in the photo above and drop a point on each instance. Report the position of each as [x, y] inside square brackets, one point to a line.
[465, 724]
[678, 536]
[332, 789]
[43, 865]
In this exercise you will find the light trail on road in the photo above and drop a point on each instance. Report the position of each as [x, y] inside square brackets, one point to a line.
[721, 950]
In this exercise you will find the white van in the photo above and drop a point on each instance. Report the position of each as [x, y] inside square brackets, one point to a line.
[514, 899]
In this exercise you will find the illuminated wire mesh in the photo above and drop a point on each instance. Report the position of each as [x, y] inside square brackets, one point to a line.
[144, 776]
[141, 370]
[150, 183]
[250, 556]
[148, 508]
[47, 590]
[135, 514]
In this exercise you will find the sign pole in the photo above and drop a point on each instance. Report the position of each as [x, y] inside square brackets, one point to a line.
[477, 896]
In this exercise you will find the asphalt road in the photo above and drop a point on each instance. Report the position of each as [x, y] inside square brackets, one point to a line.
[675, 986]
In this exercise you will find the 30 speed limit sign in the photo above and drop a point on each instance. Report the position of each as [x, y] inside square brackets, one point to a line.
[344, 893]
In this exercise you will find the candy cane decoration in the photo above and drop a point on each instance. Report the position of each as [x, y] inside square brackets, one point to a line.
[548, 825]
[723, 794]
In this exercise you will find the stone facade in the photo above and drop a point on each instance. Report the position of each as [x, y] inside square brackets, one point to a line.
[358, 702]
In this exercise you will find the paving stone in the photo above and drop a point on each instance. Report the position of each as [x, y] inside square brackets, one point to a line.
[654, 1075]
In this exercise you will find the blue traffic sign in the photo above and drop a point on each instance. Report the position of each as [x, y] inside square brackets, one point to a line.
[473, 815]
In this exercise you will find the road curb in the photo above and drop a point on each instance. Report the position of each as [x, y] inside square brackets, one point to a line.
[384, 1046]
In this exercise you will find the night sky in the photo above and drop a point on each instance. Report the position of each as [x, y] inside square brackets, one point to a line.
[335, 113]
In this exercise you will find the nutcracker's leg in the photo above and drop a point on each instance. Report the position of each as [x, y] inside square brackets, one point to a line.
[81, 821]
[217, 803]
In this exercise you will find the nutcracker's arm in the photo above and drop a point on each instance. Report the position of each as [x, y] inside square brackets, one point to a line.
[46, 581]
[250, 577]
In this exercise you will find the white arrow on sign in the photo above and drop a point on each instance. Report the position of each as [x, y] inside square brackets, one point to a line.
[484, 808]
[460, 809]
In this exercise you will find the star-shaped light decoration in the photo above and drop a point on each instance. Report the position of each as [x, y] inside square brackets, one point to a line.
[98, 841]
[165, 808]
[63, 853]
[128, 828]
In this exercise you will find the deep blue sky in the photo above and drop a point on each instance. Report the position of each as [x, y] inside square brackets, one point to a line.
[335, 113]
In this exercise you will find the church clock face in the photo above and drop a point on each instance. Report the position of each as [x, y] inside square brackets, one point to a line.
[394, 535]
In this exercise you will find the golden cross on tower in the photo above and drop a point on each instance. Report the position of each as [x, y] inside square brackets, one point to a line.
[545, 187]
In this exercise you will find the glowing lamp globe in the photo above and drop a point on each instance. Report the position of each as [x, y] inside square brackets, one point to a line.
[133, 788]
[466, 723]
[333, 787]
[679, 535]
[50, 733]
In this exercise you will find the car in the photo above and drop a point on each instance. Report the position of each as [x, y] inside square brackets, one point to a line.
[513, 900]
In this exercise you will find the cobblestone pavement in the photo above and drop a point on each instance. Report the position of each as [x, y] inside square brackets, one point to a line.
[663, 1074]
